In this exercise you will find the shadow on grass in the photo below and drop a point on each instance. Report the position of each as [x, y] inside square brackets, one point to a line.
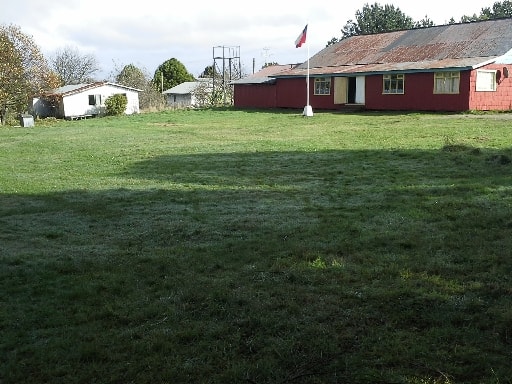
[335, 266]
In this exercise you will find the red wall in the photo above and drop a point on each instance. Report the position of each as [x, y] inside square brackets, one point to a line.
[418, 94]
[500, 100]
[255, 96]
[419, 88]
[291, 93]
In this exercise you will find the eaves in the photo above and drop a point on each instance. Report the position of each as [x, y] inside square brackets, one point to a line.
[367, 69]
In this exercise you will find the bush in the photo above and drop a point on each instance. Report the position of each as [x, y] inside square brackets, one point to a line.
[116, 104]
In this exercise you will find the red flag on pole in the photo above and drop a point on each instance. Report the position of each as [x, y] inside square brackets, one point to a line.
[302, 37]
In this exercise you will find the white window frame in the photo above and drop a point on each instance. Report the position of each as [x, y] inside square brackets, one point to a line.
[322, 86]
[391, 84]
[446, 82]
[486, 80]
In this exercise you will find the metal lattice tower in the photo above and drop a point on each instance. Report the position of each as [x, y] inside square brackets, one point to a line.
[226, 68]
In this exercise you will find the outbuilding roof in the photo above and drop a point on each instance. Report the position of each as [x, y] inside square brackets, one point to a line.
[187, 87]
[263, 76]
[68, 90]
[462, 46]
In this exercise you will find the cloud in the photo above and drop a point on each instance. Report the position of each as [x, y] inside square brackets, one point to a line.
[152, 31]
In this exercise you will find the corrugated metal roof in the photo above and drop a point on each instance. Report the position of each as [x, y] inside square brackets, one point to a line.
[263, 76]
[465, 45]
[186, 87]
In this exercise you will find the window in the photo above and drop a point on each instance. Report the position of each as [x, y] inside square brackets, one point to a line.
[393, 84]
[322, 86]
[486, 81]
[94, 99]
[446, 82]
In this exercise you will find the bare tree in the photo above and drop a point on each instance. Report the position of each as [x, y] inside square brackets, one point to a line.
[74, 67]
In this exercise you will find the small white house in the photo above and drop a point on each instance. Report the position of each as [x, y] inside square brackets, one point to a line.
[189, 94]
[83, 100]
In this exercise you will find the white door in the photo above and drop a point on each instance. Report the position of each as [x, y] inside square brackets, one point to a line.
[360, 83]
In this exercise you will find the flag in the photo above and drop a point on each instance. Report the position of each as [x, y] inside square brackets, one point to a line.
[302, 38]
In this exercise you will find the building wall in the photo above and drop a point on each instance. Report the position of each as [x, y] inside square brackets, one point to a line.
[255, 96]
[291, 93]
[499, 100]
[418, 94]
[178, 100]
[78, 104]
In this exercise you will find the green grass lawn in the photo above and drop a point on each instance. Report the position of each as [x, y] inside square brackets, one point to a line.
[228, 246]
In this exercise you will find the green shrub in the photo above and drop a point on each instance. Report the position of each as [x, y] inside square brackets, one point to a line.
[116, 104]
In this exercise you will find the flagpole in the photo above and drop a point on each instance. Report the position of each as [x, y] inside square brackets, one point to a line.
[308, 111]
[307, 78]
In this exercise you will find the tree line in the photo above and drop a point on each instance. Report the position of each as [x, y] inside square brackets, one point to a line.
[25, 73]
[376, 18]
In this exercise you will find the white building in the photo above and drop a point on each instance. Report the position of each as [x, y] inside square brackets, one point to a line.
[189, 94]
[83, 100]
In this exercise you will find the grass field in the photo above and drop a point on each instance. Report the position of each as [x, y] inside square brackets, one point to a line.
[225, 246]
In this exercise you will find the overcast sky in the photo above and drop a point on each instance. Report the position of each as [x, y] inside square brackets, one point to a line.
[146, 33]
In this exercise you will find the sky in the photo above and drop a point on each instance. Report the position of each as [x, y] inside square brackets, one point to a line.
[149, 32]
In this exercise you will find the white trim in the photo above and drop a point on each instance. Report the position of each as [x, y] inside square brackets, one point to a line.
[482, 86]
[505, 59]
[484, 63]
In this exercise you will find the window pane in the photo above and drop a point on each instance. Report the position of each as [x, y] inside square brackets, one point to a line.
[322, 86]
[393, 84]
[446, 82]
[485, 80]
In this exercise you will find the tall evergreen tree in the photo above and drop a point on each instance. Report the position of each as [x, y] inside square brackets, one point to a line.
[171, 73]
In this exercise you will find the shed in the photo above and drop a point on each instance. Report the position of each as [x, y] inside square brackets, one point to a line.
[189, 94]
[83, 100]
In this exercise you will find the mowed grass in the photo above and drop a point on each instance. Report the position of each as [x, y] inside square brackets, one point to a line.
[225, 246]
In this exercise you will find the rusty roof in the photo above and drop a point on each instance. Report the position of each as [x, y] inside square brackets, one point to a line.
[466, 45]
[264, 75]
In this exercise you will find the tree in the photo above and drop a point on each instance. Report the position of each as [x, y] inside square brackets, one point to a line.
[376, 19]
[424, 23]
[138, 78]
[499, 9]
[270, 64]
[12, 80]
[24, 71]
[209, 71]
[74, 67]
[334, 40]
[171, 73]
[131, 76]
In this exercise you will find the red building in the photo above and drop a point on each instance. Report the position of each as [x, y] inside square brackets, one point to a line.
[259, 90]
[455, 67]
